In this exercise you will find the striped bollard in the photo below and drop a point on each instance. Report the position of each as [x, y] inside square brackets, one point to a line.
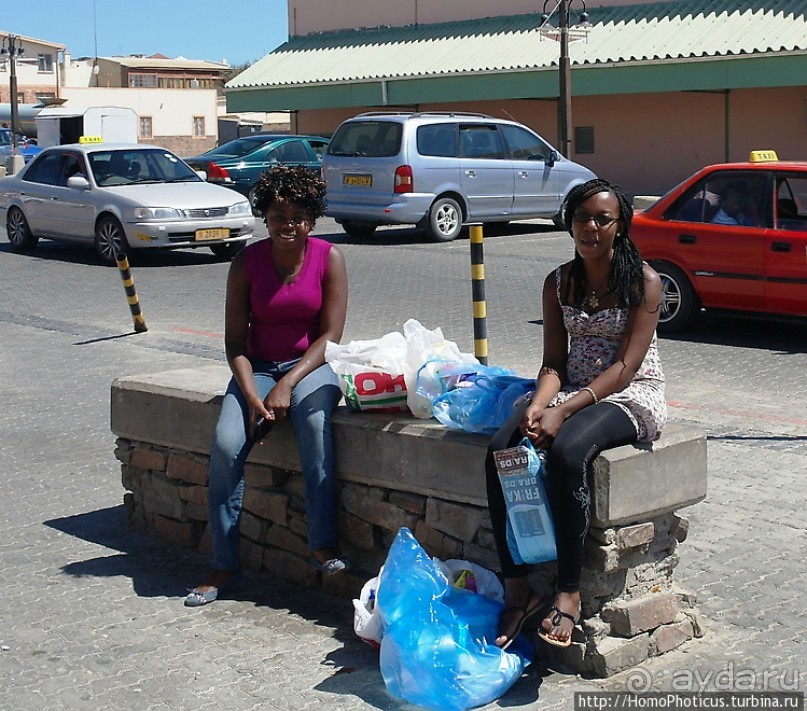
[478, 294]
[131, 294]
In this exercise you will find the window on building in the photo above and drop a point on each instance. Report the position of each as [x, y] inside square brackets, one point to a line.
[145, 130]
[137, 81]
[199, 127]
[584, 139]
[46, 63]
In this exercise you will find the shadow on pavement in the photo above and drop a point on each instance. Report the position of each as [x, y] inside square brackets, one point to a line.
[784, 335]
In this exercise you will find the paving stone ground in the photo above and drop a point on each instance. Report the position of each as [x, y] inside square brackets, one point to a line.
[91, 614]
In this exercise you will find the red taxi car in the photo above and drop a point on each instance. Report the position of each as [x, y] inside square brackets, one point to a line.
[733, 236]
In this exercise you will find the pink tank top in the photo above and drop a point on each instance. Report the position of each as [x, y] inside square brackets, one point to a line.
[284, 318]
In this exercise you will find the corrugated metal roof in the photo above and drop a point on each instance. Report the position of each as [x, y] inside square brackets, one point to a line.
[648, 32]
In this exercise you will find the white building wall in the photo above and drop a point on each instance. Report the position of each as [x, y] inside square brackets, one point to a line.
[171, 110]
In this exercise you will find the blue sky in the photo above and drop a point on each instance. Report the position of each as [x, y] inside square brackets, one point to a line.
[195, 29]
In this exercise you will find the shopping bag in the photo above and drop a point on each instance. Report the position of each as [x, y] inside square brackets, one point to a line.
[366, 617]
[438, 648]
[428, 352]
[371, 372]
[530, 529]
[481, 401]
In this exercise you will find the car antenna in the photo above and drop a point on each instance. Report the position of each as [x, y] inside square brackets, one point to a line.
[509, 115]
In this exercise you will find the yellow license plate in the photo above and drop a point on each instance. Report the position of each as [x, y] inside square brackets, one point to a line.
[204, 235]
[364, 181]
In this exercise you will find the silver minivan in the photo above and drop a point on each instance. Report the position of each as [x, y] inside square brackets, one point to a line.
[437, 170]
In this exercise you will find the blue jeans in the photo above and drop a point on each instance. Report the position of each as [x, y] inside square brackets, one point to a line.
[313, 401]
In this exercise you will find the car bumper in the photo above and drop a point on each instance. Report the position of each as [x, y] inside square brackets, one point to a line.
[192, 233]
[407, 209]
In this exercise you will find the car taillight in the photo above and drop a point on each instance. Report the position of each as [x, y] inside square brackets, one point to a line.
[217, 173]
[404, 180]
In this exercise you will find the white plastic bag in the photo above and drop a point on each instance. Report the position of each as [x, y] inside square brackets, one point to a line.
[371, 373]
[470, 576]
[366, 618]
[427, 352]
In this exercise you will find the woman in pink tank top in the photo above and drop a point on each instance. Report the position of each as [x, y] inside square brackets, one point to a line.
[286, 298]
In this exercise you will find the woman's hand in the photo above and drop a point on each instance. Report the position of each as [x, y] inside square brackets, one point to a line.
[278, 401]
[541, 425]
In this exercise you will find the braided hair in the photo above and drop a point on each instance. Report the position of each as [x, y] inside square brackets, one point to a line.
[291, 183]
[626, 278]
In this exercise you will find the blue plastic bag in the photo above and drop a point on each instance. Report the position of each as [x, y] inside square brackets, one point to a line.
[438, 648]
[481, 402]
[530, 528]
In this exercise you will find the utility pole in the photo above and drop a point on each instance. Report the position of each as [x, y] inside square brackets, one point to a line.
[11, 47]
[565, 82]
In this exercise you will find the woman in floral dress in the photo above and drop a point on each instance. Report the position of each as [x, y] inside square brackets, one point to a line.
[600, 386]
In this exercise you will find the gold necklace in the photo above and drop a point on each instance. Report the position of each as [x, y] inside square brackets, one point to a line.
[592, 301]
[284, 275]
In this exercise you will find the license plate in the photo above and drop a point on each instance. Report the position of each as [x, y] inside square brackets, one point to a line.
[364, 181]
[204, 235]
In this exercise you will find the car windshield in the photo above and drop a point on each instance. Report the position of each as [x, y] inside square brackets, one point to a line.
[241, 146]
[127, 167]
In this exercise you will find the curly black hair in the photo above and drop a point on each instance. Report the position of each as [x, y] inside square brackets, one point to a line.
[626, 279]
[290, 183]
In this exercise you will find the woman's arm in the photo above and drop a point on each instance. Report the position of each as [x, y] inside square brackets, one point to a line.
[236, 327]
[552, 374]
[332, 324]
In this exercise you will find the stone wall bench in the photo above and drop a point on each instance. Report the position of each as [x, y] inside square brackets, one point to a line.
[398, 471]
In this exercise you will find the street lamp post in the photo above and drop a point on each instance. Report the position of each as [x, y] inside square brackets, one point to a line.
[12, 47]
[563, 8]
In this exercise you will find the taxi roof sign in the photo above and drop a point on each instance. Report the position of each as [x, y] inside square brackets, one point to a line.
[90, 139]
[762, 156]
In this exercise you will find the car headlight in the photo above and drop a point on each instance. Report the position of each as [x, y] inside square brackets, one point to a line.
[241, 208]
[156, 213]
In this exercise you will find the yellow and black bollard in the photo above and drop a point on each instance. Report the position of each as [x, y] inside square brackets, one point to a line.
[131, 294]
[478, 294]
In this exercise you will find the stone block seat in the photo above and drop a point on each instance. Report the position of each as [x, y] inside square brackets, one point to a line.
[394, 471]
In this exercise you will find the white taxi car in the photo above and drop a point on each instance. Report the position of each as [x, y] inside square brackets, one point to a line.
[121, 197]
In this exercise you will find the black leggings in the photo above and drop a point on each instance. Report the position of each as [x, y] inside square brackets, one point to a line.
[580, 439]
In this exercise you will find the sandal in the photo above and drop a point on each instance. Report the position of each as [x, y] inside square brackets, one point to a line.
[525, 612]
[556, 618]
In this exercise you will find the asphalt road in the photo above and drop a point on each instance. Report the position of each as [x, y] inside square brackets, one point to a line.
[89, 612]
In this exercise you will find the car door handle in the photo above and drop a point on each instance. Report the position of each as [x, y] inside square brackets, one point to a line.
[470, 173]
[780, 247]
[523, 174]
[687, 239]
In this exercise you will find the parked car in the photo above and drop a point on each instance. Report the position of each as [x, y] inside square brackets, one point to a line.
[27, 147]
[732, 236]
[121, 197]
[238, 164]
[438, 170]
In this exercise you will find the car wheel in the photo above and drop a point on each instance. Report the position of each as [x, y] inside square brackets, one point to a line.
[251, 198]
[444, 221]
[359, 230]
[18, 231]
[679, 302]
[110, 239]
[227, 250]
[558, 221]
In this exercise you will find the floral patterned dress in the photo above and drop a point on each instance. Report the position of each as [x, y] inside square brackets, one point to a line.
[593, 345]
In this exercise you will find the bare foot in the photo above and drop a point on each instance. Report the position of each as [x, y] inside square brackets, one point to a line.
[558, 625]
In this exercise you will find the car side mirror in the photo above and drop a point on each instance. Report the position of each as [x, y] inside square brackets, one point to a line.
[201, 173]
[552, 158]
[78, 182]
